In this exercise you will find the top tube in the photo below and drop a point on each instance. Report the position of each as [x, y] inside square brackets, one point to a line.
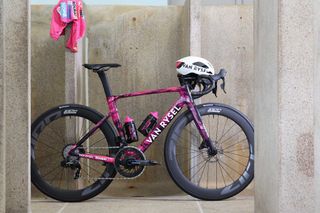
[150, 92]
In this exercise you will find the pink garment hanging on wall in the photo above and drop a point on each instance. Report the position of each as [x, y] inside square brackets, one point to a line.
[68, 12]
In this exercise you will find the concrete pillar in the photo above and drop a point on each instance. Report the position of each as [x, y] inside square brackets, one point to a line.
[70, 85]
[73, 66]
[286, 106]
[195, 27]
[194, 16]
[15, 105]
[82, 93]
[317, 102]
[76, 87]
[2, 144]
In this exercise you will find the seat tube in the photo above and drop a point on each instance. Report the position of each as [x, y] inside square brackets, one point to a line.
[105, 84]
[111, 101]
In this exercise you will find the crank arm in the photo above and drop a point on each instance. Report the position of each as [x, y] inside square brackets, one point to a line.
[143, 163]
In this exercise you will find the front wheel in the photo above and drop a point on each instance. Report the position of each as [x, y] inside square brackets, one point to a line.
[201, 174]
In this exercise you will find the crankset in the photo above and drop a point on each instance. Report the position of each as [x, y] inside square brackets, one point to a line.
[130, 162]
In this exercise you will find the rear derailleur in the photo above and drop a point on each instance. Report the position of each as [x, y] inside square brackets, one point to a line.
[72, 160]
[74, 165]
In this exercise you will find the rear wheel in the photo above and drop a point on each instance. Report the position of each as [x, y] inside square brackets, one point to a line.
[54, 173]
[206, 176]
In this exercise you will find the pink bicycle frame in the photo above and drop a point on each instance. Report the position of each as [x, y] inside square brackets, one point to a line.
[184, 100]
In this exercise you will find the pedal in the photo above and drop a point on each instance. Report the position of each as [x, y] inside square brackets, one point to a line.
[144, 162]
[153, 163]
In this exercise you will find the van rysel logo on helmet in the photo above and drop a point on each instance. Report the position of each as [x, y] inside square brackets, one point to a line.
[193, 67]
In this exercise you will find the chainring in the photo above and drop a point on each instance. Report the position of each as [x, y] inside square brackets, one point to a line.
[122, 159]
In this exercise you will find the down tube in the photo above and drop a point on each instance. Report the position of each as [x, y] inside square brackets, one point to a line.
[164, 122]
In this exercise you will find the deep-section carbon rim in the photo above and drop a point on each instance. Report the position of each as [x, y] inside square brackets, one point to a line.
[211, 177]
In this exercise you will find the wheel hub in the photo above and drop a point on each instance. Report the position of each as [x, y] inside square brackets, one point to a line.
[211, 152]
[75, 156]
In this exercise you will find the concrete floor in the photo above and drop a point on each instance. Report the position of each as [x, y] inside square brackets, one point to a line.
[185, 204]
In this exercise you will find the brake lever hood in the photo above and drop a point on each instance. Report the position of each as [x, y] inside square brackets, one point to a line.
[221, 75]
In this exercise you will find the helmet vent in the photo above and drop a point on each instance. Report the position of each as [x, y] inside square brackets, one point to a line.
[200, 64]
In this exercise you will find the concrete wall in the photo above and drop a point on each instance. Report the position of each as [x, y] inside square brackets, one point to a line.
[14, 106]
[48, 63]
[316, 112]
[265, 110]
[146, 41]
[2, 143]
[227, 42]
[286, 114]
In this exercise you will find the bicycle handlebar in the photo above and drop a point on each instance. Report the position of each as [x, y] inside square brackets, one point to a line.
[209, 84]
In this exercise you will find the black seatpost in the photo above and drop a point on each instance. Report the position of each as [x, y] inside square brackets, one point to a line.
[105, 84]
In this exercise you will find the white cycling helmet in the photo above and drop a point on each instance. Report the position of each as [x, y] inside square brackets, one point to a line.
[196, 65]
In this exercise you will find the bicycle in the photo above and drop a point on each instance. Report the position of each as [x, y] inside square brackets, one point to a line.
[67, 163]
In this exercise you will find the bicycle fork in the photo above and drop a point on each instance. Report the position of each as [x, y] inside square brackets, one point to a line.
[212, 149]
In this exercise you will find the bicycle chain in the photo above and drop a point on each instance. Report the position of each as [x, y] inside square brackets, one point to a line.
[111, 147]
[115, 178]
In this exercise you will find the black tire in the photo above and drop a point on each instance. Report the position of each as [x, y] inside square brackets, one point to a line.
[49, 136]
[182, 168]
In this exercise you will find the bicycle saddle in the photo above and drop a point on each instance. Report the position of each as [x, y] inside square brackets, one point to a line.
[100, 67]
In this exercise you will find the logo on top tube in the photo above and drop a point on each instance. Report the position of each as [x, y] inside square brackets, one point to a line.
[163, 124]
